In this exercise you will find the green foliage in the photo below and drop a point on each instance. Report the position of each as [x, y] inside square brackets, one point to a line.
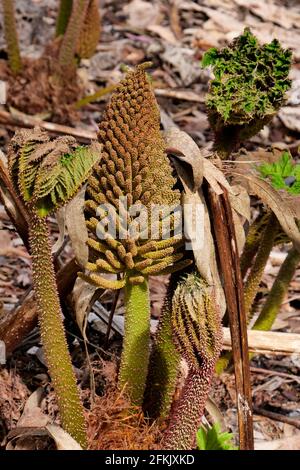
[250, 79]
[48, 173]
[283, 174]
[214, 439]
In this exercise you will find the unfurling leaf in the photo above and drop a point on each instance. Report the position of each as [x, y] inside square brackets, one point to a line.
[46, 172]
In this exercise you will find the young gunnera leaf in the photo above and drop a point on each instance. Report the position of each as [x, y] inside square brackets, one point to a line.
[214, 439]
[249, 85]
[283, 174]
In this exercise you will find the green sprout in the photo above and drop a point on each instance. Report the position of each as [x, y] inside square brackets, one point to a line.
[283, 174]
[248, 89]
[214, 439]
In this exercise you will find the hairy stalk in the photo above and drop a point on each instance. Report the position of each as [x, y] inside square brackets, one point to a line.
[90, 31]
[135, 352]
[69, 42]
[188, 413]
[263, 253]
[197, 332]
[278, 291]
[52, 331]
[164, 363]
[11, 36]
[46, 174]
[252, 242]
[64, 13]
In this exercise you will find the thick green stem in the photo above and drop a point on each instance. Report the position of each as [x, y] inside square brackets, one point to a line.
[135, 353]
[64, 13]
[11, 36]
[52, 331]
[164, 365]
[252, 243]
[69, 43]
[279, 289]
[263, 253]
[186, 417]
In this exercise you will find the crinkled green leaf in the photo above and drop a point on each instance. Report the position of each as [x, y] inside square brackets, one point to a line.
[250, 79]
[283, 174]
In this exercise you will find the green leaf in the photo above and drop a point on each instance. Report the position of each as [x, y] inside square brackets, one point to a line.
[279, 172]
[214, 439]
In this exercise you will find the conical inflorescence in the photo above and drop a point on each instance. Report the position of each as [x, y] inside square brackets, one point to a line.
[134, 173]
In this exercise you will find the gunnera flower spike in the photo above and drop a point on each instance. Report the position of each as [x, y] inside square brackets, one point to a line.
[133, 179]
[46, 174]
[248, 89]
[197, 333]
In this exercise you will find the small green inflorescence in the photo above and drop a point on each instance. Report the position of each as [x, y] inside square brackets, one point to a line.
[197, 333]
[248, 89]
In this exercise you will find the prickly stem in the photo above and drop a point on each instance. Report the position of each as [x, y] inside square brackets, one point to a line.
[164, 364]
[278, 291]
[64, 12]
[11, 36]
[52, 332]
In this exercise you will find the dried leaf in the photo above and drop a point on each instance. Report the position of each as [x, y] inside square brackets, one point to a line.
[181, 145]
[277, 203]
[75, 223]
[183, 61]
[62, 439]
[268, 11]
[164, 32]
[290, 116]
[60, 218]
[142, 14]
[288, 443]
[83, 298]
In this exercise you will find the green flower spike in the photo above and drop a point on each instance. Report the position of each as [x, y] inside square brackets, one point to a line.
[134, 167]
[197, 333]
[46, 174]
[248, 89]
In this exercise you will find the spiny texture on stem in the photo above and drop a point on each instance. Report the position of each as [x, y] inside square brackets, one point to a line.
[11, 36]
[265, 246]
[64, 12]
[252, 242]
[90, 31]
[70, 39]
[134, 173]
[278, 291]
[52, 332]
[46, 174]
[248, 89]
[164, 362]
[197, 332]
